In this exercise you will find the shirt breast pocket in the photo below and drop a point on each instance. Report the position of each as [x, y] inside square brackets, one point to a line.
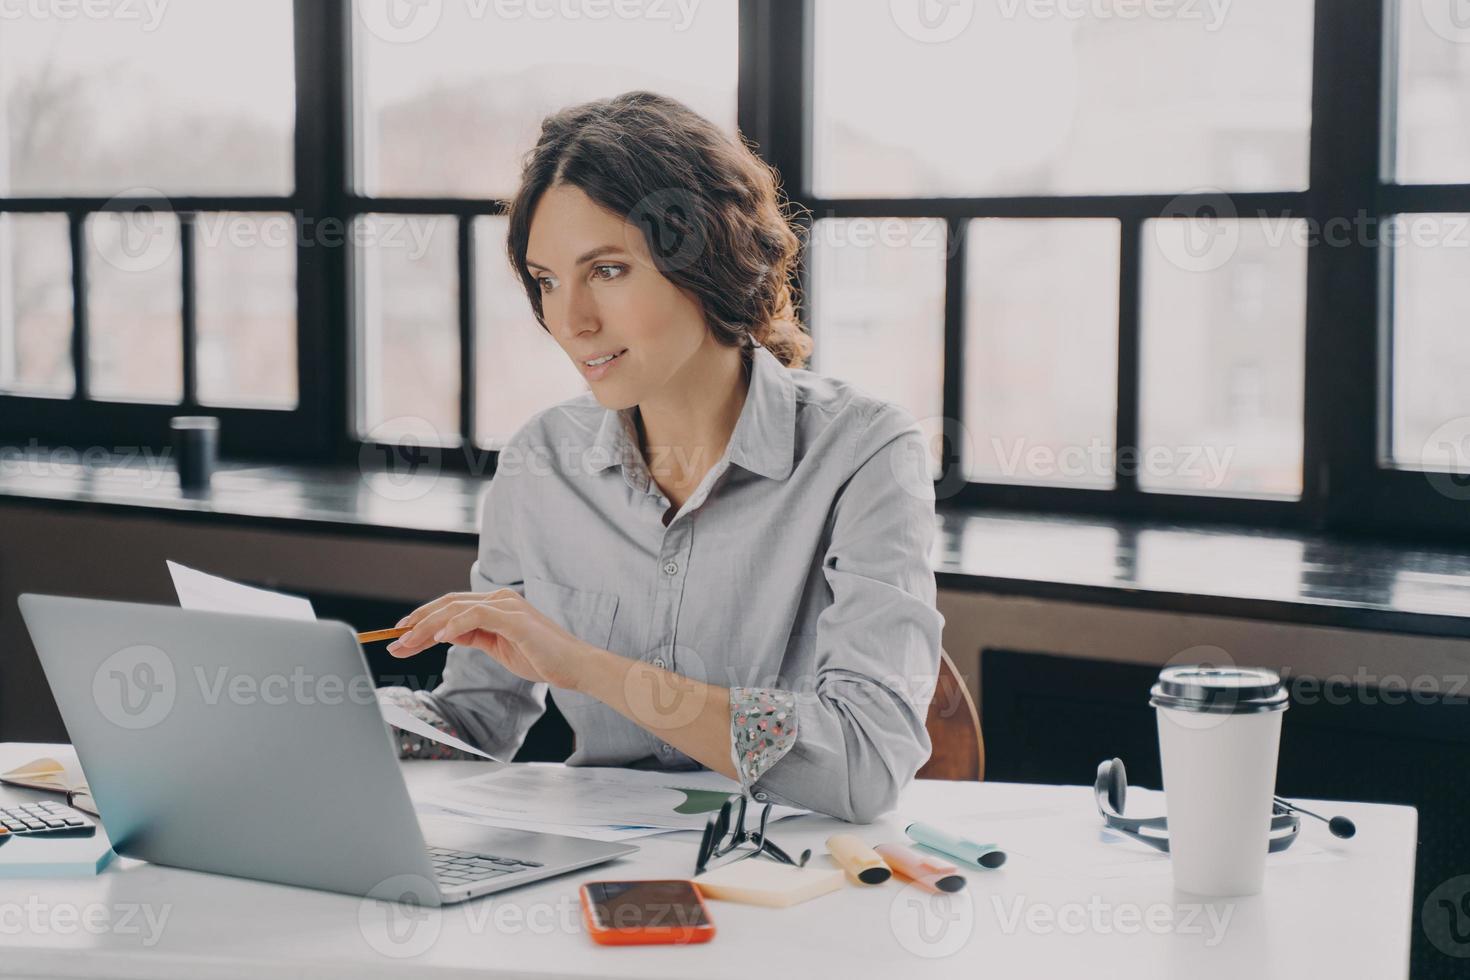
[585, 614]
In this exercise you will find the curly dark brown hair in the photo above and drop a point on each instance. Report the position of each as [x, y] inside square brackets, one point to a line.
[712, 212]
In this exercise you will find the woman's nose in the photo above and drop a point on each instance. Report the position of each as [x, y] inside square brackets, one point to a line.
[581, 313]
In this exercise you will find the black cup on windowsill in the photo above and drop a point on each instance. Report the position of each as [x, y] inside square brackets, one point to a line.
[196, 450]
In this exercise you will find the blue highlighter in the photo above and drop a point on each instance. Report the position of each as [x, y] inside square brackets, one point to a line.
[987, 857]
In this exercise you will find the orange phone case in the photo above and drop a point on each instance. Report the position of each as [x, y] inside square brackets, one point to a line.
[647, 935]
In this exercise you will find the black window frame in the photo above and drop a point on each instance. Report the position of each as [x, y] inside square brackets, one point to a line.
[1347, 485]
[300, 433]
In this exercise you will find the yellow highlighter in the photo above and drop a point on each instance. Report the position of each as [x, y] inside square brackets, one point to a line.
[860, 861]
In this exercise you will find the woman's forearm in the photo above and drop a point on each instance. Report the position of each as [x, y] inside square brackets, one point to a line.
[690, 715]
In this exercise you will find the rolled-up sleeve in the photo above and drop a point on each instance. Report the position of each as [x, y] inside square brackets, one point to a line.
[490, 706]
[862, 733]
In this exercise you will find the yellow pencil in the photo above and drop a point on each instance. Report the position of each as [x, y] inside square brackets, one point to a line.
[376, 635]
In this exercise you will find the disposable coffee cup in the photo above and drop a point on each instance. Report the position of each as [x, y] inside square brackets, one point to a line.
[1219, 734]
[196, 449]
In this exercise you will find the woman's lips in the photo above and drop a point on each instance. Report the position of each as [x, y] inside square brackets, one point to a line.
[598, 372]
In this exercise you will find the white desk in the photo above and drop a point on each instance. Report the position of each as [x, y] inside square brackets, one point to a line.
[1341, 918]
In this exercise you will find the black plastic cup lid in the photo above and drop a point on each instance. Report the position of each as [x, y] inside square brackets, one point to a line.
[1219, 690]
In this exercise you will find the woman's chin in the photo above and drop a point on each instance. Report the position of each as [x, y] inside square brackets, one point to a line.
[609, 397]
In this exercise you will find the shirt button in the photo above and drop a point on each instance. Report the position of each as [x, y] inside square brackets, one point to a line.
[666, 748]
[658, 662]
[761, 797]
[671, 567]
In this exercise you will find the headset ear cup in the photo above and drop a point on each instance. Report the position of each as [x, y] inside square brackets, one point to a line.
[1117, 785]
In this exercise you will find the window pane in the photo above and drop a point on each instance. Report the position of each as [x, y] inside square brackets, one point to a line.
[135, 334]
[1431, 342]
[245, 269]
[452, 96]
[1433, 92]
[519, 369]
[188, 97]
[1044, 98]
[1041, 351]
[1222, 348]
[878, 310]
[409, 320]
[35, 305]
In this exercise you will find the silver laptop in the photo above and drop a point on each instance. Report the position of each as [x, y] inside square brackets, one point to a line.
[252, 746]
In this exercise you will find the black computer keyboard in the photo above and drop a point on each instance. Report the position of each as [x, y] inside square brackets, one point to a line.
[45, 819]
[462, 867]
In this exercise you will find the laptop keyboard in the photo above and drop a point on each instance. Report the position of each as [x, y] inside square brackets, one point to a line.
[463, 867]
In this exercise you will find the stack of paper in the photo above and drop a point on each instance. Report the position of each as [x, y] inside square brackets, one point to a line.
[610, 832]
[585, 801]
[768, 883]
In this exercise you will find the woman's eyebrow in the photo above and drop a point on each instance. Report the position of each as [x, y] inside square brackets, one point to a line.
[585, 257]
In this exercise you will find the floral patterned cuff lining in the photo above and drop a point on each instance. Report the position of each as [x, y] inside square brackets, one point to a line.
[420, 705]
[762, 730]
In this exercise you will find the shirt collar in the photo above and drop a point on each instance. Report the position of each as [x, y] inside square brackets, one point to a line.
[764, 440]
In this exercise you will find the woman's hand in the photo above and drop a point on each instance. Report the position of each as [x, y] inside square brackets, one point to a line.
[505, 626]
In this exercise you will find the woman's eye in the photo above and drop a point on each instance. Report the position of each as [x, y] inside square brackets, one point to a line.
[544, 282]
[616, 271]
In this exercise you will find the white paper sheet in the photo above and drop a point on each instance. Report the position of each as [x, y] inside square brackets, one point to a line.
[210, 593]
[594, 796]
[609, 833]
[406, 720]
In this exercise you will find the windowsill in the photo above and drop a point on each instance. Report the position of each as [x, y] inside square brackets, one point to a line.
[1207, 570]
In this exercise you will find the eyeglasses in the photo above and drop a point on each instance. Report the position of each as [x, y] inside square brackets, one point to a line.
[721, 838]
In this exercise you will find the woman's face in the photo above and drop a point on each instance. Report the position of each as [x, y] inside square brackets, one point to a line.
[601, 294]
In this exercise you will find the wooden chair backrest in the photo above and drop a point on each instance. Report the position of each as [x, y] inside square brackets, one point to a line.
[954, 729]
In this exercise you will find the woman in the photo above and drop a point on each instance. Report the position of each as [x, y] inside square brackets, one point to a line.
[714, 558]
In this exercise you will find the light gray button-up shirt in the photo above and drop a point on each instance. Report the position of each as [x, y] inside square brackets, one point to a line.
[801, 563]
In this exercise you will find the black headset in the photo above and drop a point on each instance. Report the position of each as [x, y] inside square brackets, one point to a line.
[1111, 791]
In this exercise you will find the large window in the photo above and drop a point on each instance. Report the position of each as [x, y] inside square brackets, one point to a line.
[1180, 260]
[445, 102]
[1427, 396]
[184, 98]
[147, 240]
[1082, 155]
[1041, 350]
[991, 99]
[448, 100]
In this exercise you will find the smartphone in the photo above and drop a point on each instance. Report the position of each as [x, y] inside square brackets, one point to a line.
[625, 913]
